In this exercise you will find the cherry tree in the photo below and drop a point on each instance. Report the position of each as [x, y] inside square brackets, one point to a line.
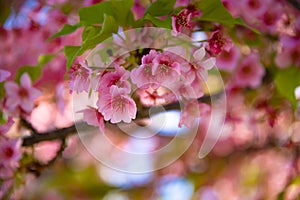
[150, 99]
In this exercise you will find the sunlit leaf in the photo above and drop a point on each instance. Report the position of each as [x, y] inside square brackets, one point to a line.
[122, 11]
[161, 8]
[286, 82]
[34, 71]
[71, 52]
[67, 29]
[95, 14]
[167, 23]
[214, 11]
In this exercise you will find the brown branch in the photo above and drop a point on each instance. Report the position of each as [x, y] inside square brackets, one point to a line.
[295, 4]
[60, 134]
[49, 136]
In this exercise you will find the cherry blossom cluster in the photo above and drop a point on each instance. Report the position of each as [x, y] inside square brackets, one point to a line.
[162, 78]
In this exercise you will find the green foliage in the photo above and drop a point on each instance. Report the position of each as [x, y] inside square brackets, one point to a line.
[119, 9]
[122, 11]
[286, 81]
[167, 23]
[83, 181]
[2, 120]
[71, 52]
[5, 11]
[214, 11]
[94, 14]
[34, 71]
[161, 8]
[67, 29]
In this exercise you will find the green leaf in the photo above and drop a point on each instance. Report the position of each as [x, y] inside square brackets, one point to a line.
[2, 119]
[95, 35]
[2, 91]
[280, 196]
[109, 26]
[34, 71]
[45, 58]
[122, 11]
[95, 14]
[296, 181]
[67, 29]
[71, 52]
[167, 23]
[214, 11]
[161, 8]
[286, 81]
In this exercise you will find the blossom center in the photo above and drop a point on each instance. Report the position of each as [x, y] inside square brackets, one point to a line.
[23, 92]
[254, 4]
[8, 152]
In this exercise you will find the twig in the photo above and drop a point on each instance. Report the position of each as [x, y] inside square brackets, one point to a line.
[28, 125]
[295, 4]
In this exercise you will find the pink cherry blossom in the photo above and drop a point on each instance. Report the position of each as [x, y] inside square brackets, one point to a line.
[193, 110]
[142, 76]
[80, 77]
[5, 127]
[181, 21]
[150, 97]
[138, 9]
[228, 60]
[218, 42]
[4, 75]
[118, 78]
[10, 151]
[270, 17]
[182, 3]
[94, 118]
[250, 72]
[166, 68]
[156, 69]
[233, 6]
[117, 106]
[290, 52]
[198, 66]
[252, 9]
[20, 99]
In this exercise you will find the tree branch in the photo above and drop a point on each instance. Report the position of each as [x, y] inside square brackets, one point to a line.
[61, 134]
[49, 136]
[295, 4]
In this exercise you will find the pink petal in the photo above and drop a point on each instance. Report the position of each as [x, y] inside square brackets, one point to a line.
[25, 81]
[11, 88]
[199, 54]
[4, 75]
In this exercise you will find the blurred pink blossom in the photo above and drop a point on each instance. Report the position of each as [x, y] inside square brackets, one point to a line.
[20, 99]
[250, 72]
[290, 52]
[193, 110]
[228, 60]
[5, 127]
[4, 75]
[10, 152]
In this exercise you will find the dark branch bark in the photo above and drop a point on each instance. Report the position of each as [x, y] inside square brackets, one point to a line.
[295, 4]
[61, 134]
[48, 136]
